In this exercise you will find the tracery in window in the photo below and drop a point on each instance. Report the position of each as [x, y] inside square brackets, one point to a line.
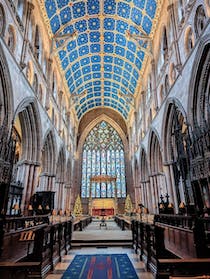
[200, 18]
[165, 45]
[166, 85]
[35, 84]
[2, 21]
[36, 43]
[149, 89]
[103, 154]
[20, 8]
[180, 11]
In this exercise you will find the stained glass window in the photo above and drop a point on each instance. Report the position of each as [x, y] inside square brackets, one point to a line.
[103, 154]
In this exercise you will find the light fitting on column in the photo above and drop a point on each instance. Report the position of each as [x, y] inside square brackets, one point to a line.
[75, 97]
[143, 40]
[129, 98]
[60, 41]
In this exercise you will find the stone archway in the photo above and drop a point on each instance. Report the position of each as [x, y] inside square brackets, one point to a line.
[199, 120]
[48, 159]
[157, 177]
[60, 180]
[175, 156]
[68, 186]
[6, 92]
[27, 122]
[121, 133]
[146, 198]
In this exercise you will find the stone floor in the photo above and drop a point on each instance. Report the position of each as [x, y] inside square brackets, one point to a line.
[93, 231]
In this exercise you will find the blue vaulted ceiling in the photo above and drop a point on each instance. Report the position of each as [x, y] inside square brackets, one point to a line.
[101, 60]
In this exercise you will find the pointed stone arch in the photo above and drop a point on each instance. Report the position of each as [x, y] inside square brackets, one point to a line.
[60, 179]
[95, 122]
[145, 189]
[157, 181]
[199, 96]
[128, 169]
[2, 21]
[68, 186]
[174, 115]
[27, 122]
[199, 119]
[6, 92]
[48, 166]
[28, 114]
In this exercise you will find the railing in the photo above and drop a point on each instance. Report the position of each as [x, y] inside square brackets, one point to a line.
[123, 223]
[17, 223]
[176, 220]
[80, 224]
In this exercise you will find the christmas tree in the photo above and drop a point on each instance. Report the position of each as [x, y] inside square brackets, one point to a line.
[78, 207]
[128, 205]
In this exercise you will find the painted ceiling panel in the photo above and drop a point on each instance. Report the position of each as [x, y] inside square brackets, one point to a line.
[96, 55]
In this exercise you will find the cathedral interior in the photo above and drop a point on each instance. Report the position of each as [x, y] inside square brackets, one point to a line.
[104, 121]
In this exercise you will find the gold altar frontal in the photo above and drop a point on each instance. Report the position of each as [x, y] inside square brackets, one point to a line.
[103, 207]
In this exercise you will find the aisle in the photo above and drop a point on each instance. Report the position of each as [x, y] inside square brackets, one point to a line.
[138, 265]
[96, 232]
[93, 233]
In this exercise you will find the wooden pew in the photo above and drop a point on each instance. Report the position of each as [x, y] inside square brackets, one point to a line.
[183, 267]
[166, 248]
[49, 243]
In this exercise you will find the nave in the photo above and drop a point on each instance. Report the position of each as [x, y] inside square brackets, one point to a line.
[104, 112]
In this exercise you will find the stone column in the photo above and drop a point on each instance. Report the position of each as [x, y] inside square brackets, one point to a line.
[154, 85]
[30, 7]
[153, 200]
[172, 186]
[49, 68]
[60, 111]
[171, 11]
[144, 111]
[27, 175]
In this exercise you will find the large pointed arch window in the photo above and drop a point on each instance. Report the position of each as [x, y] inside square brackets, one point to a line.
[103, 155]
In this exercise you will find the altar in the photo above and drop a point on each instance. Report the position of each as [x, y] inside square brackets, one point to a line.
[102, 211]
[104, 205]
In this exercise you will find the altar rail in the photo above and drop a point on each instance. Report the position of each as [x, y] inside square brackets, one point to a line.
[181, 249]
[80, 223]
[123, 223]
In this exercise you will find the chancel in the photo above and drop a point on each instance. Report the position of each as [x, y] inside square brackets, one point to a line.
[104, 139]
